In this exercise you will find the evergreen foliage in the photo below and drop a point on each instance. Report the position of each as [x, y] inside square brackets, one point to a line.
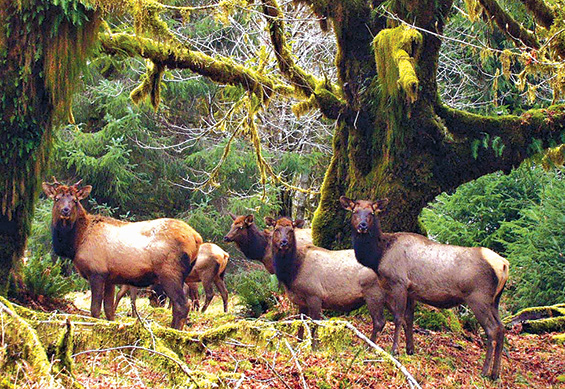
[521, 217]
[257, 291]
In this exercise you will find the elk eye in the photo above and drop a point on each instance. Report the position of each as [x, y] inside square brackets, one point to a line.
[241, 227]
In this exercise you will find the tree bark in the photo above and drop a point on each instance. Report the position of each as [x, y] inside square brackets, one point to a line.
[411, 152]
[42, 49]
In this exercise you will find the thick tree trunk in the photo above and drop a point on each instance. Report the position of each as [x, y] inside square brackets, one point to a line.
[401, 142]
[42, 49]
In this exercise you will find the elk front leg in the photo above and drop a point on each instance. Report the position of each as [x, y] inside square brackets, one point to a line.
[96, 290]
[109, 290]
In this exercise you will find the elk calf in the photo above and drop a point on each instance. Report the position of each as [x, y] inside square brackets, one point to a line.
[412, 267]
[107, 251]
[209, 268]
[315, 278]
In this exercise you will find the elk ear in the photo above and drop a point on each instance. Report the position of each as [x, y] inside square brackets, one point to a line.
[298, 223]
[249, 220]
[379, 205]
[83, 192]
[49, 189]
[346, 203]
[270, 221]
[232, 215]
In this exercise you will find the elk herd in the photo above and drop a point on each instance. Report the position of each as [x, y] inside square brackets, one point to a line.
[392, 270]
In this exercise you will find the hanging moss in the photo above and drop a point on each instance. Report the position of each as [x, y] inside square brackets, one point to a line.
[43, 48]
[394, 52]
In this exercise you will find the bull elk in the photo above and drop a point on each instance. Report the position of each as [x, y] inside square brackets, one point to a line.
[413, 267]
[107, 251]
[209, 268]
[315, 278]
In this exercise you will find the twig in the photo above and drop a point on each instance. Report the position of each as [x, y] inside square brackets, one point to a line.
[276, 373]
[411, 380]
[147, 327]
[179, 363]
[297, 364]
[239, 382]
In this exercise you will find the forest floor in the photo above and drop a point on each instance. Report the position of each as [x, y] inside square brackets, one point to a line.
[442, 359]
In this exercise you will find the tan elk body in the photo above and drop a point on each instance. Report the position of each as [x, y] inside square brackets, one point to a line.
[107, 251]
[315, 278]
[412, 267]
[209, 269]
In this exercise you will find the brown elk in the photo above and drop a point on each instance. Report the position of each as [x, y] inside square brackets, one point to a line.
[413, 267]
[315, 278]
[209, 268]
[107, 251]
[256, 244]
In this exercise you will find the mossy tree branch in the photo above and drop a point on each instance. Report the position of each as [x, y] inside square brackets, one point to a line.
[325, 94]
[221, 70]
[542, 12]
[508, 25]
[484, 144]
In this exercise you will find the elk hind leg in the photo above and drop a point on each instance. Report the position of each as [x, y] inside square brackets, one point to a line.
[209, 292]
[409, 325]
[174, 290]
[499, 339]
[121, 293]
[484, 314]
[220, 284]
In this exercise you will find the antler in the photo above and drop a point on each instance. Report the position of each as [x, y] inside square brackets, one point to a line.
[77, 183]
[55, 182]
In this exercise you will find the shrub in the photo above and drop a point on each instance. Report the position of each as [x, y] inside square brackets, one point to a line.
[521, 217]
[42, 276]
[257, 291]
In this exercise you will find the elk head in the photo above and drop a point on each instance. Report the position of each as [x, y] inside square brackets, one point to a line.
[66, 201]
[239, 228]
[283, 233]
[364, 212]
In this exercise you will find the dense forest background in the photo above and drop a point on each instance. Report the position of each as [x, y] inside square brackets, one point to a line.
[182, 147]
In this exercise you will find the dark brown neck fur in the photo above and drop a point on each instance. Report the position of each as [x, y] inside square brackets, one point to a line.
[370, 247]
[286, 264]
[66, 237]
[255, 247]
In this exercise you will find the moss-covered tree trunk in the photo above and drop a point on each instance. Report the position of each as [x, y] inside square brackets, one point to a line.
[395, 138]
[42, 48]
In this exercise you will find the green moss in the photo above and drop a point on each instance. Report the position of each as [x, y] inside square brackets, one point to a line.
[334, 335]
[437, 320]
[559, 339]
[539, 319]
[394, 52]
[49, 45]
[23, 344]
